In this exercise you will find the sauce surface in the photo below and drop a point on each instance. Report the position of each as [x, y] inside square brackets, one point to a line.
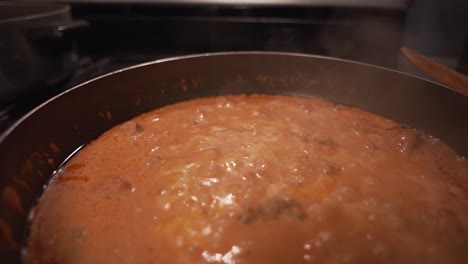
[256, 179]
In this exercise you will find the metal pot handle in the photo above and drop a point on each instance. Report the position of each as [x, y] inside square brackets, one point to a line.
[54, 32]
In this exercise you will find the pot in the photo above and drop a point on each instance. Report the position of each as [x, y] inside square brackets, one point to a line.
[37, 47]
[33, 148]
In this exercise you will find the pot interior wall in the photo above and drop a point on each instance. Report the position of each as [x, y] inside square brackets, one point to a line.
[34, 148]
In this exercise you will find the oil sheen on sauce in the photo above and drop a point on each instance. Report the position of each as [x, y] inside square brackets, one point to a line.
[256, 179]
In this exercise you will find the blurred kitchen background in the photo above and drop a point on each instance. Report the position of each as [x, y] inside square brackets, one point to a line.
[121, 33]
[371, 31]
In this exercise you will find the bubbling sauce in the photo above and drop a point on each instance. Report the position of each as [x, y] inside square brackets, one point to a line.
[256, 179]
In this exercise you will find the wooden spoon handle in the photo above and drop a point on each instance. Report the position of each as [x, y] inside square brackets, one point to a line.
[439, 72]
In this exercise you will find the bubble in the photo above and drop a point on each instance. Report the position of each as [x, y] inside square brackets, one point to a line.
[326, 236]
[206, 231]
[180, 241]
[223, 102]
[200, 117]
[348, 194]
[309, 258]
[371, 202]
[305, 108]
[371, 180]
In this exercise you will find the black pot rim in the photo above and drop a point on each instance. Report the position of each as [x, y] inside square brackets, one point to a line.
[10, 130]
[54, 9]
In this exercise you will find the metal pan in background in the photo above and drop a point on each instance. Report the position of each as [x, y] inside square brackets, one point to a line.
[32, 149]
[37, 46]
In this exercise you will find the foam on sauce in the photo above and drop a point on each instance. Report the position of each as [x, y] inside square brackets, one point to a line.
[256, 179]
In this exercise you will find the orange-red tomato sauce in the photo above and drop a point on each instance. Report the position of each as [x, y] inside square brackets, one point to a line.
[256, 179]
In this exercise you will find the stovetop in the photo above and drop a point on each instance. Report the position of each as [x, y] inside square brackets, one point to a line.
[126, 34]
